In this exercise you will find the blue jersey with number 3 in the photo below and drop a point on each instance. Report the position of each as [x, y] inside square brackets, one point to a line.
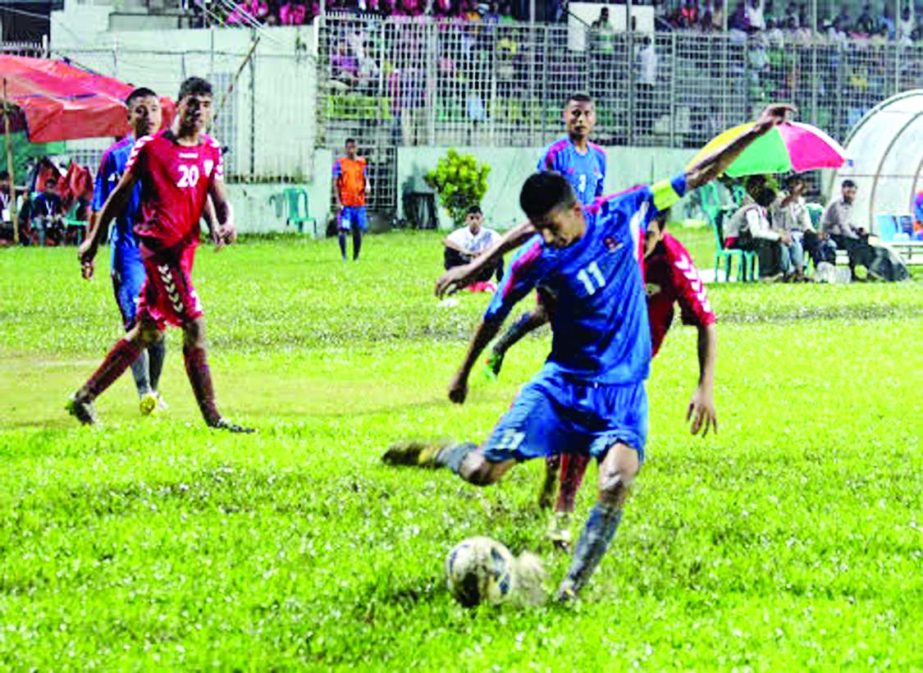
[599, 319]
[586, 173]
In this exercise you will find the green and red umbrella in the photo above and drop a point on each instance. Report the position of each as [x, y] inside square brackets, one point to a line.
[790, 146]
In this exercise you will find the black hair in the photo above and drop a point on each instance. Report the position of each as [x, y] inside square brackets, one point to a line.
[848, 184]
[140, 92]
[543, 192]
[4, 175]
[473, 210]
[350, 140]
[579, 97]
[50, 179]
[765, 197]
[194, 86]
[792, 179]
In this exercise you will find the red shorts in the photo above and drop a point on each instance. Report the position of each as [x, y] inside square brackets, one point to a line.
[168, 295]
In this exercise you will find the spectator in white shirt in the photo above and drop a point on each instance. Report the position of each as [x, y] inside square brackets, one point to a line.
[468, 242]
[748, 229]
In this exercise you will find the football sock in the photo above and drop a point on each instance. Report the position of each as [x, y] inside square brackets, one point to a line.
[156, 352]
[357, 243]
[573, 467]
[120, 358]
[139, 370]
[594, 540]
[341, 237]
[550, 481]
[201, 379]
[453, 455]
[515, 332]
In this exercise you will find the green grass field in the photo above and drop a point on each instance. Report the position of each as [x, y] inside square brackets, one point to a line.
[793, 540]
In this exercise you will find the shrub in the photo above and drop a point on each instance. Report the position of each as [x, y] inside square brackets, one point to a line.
[460, 181]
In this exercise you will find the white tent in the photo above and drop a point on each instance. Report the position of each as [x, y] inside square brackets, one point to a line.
[886, 158]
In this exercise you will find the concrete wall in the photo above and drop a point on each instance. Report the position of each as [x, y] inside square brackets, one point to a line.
[255, 214]
[627, 166]
[269, 125]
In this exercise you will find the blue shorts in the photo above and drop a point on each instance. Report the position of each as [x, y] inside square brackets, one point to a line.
[351, 216]
[553, 415]
[127, 279]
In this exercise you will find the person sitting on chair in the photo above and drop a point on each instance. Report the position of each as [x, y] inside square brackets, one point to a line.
[47, 214]
[789, 213]
[466, 243]
[748, 229]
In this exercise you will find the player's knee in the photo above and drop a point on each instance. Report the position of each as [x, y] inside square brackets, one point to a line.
[145, 333]
[616, 477]
[194, 333]
[479, 471]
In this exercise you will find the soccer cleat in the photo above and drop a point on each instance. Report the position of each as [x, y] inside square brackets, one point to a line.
[419, 454]
[148, 404]
[567, 592]
[224, 424]
[82, 410]
[559, 531]
[493, 366]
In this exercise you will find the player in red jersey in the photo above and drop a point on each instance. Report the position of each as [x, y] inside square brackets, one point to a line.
[178, 168]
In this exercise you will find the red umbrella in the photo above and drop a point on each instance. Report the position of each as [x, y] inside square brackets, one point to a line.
[63, 102]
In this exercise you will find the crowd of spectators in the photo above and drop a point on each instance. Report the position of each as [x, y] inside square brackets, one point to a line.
[299, 12]
[780, 23]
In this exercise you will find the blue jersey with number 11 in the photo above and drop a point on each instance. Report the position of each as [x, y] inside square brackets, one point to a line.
[599, 322]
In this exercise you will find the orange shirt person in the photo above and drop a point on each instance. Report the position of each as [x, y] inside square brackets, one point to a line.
[351, 185]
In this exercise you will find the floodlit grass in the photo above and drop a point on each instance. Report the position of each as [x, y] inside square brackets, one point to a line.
[790, 541]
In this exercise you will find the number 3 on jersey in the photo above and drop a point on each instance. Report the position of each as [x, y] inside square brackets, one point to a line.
[189, 176]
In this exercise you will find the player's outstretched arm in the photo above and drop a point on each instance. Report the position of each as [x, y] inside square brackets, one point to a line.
[459, 276]
[225, 232]
[701, 410]
[115, 204]
[715, 164]
[483, 334]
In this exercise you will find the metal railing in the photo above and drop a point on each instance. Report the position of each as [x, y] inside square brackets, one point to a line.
[415, 81]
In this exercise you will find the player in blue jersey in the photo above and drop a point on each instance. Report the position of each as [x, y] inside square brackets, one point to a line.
[589, 397]
[583, 163]
[127, 269]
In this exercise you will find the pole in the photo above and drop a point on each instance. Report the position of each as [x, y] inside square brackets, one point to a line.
[14, 214]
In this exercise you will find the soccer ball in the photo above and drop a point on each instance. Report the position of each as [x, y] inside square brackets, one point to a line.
[480, 570]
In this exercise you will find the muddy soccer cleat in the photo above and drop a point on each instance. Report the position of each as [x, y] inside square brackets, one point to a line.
[418, 454]
[224, 424]
[82, 410]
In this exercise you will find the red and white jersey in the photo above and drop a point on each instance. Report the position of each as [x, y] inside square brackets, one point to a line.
[670, 277]
[175, 182]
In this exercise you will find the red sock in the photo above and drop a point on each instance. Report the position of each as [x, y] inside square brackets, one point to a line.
[120, 358]
[201, 379]
[573, 467]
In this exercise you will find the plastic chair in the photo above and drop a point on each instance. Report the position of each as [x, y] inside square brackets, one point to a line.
[887, 227]
[710, 201]
[296, 216]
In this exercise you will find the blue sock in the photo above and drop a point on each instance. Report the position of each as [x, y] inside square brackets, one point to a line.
[595, 539]
[454, 455]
